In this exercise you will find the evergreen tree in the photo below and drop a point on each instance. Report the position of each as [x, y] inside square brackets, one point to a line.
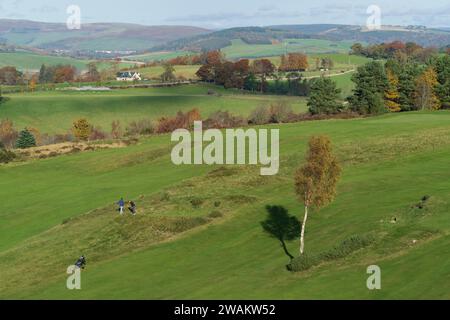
[407, 86]
[323, 97]
[42, 74]
[442, 67]
[370, 84]
[25, 140]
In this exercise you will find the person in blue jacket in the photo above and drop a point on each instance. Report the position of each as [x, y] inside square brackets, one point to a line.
[121, 204]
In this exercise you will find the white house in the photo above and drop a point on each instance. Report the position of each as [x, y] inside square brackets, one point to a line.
[128, 76]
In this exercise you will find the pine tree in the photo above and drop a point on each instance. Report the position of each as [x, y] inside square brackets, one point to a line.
[25, 140]
[391, 94]
[42, 74]
[407, 85]
[442, 66]
[370, 84]
[323, 97]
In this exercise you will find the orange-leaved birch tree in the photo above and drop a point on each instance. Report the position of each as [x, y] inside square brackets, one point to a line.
[316, 180]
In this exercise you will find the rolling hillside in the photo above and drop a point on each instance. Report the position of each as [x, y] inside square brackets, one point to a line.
[92, 36]
[174, 250]
[337, 33]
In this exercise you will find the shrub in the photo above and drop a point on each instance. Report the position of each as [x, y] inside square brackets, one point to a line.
[280, 112]
[116, 130]
[25, 140]
[141, 127]
[180, 121]
[165, 196]
[62, 137]
[81, 129]
[346, 247]
[97, 134]
[260, 115]
[196, 202]
[215, 214]
[6, 155]
[37, 135]
[217, 204]
[223, 119]
[302, 263]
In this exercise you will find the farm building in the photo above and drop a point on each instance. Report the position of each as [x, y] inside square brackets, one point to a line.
[128, 76]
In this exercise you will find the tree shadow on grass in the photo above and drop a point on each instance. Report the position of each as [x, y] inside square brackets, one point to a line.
[282, 226]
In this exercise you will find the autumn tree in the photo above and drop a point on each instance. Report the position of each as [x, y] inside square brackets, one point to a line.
[205, 73]
[263, 68]
[64, 73]
[316, 180]
[294, 62]
[9, 76]
[391, 95]
[425, 96]
[81, 129]
[32, 85]
[8, 134]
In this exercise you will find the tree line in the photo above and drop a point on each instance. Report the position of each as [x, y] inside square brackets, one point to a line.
[254, 75]
[394, 86]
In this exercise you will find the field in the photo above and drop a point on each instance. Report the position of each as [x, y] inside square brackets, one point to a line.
[156, 56]
[54, 112]
[240, 49]
[214, 247]
[187, 72]
[27, 61]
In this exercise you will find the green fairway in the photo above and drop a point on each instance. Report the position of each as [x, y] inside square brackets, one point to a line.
[54, 112]
[57, 209]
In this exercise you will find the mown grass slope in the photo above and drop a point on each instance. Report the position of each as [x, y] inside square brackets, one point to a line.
[57, 209]
[54, 112]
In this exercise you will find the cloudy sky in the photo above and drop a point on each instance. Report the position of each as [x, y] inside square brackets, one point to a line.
[230, 13]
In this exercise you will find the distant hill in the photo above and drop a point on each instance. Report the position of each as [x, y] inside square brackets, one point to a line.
[332, 32]
[91, 36]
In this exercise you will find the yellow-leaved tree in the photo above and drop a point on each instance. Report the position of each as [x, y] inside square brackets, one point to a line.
[316, 180]
[425, 96]
[391, 94]
[81, 129]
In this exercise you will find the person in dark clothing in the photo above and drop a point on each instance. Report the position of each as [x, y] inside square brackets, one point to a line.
[81, 262]
[132, 207]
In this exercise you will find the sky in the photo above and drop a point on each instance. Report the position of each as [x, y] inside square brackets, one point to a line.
[232, 13]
